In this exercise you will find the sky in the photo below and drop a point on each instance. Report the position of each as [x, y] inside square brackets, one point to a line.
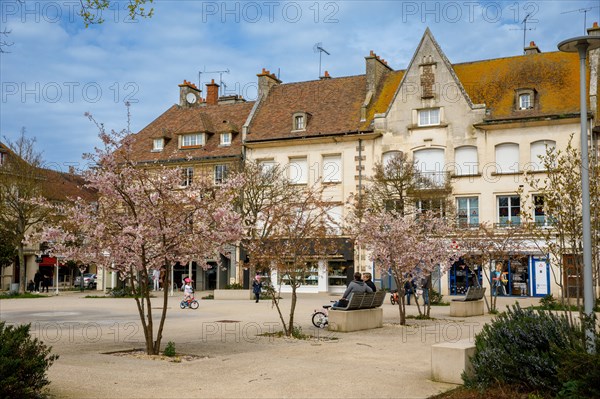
[55, 69]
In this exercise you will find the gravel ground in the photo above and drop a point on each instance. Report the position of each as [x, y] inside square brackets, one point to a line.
[231, 359]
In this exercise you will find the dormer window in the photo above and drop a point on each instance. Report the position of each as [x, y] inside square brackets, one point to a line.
[158, 145]
[191, 140]
[299, 120]
[225, 139]
[525, 99]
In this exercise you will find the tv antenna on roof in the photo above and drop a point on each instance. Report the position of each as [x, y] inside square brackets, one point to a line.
[318, 47]
[525, 29]
[220, 77]
[584, 11]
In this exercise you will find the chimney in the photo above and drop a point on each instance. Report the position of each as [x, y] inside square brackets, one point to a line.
[376, 70]
[325, 76]
[189, 94]
[532, 49]
[212, 93]
[594, 30]
[266, 80]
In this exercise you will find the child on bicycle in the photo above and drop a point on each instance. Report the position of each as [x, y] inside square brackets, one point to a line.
[188, 290]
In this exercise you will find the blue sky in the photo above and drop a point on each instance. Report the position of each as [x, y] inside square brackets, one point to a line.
[56, 69]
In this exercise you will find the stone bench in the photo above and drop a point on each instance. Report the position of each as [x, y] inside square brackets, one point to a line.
[233, 294]
[362, 312]
[450, 359]
[470, 305]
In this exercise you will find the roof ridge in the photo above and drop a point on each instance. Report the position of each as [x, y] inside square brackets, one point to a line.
[509, 57]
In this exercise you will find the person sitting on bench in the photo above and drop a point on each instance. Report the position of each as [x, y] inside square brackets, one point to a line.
[356, 285]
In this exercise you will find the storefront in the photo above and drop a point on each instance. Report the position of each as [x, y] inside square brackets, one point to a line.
[462, 275]
[527, 275]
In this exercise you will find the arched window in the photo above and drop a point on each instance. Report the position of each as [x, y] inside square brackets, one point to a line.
[465, 159]
[507, 158]
[430, 163]
[537, 151]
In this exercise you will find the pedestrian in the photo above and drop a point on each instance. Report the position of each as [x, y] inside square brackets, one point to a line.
[30, 286]
[425, 283]
[409, 288]
[45, 282]
[156, 279]
[37, 279]
[357, 285]
[367, 279]
[256, 287]
[161, 278]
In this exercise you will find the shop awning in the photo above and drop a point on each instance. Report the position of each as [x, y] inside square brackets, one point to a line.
[48, 261]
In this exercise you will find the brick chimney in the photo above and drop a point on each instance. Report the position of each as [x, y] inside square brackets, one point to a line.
[325, 76]
[266, 80]
[376, 69]
[532, 49]
[212, 93]
[594, 30]
[189, 95]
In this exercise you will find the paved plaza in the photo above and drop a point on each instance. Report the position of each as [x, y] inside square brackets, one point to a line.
[237, 362]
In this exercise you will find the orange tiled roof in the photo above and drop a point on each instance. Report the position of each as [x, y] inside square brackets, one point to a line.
[382, 101]
[333, 106]
[555, 77]
[210, 119]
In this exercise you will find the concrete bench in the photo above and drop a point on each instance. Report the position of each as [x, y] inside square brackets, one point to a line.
[450, 359]
[470, 305]
[233, 294]
[363, 312]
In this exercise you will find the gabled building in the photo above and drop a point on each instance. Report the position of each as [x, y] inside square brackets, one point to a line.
[482, 124]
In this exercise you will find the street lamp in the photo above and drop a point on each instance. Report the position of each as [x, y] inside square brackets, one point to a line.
[582, 45]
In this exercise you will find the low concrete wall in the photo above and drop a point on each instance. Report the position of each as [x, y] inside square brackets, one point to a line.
[233, 294]
[466, 308]
[354, 320]
[450, 359]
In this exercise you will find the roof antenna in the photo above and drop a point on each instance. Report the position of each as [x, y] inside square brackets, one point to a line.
[584, 11]
[318, 47]
[220, 77]
[525, 29]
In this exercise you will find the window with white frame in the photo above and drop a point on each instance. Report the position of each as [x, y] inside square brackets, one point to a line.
[298, 170]
[266, 166]
[335, 220]
[220, 174]
[158, 144]
[225, 139]
[187, 176]
[428, 117]
[468, 211]
[537, 151]
[299, 122]
[332, 169]
[509, 210]
[525, 101]
[430, 164]
[539, 212]
[465, 160]
[435, 205]
[507, 158]
[192, 140]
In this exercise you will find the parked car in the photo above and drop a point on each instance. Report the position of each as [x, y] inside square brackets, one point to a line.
[89, 281]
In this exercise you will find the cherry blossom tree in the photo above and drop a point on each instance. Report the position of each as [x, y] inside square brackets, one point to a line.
[406, 247]
[144, 220]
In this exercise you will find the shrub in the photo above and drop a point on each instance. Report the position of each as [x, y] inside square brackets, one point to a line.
[579, 372]
[548, 302]
[170, 349]
[515, 349]
[23, 362]
[234, 286]
[435, 298]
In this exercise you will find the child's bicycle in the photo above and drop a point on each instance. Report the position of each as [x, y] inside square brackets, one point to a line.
[394, 297]
[320, 318]
[190, 303]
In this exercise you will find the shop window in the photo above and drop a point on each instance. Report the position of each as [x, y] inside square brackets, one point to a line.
[306, 276]
[509, 209]
[337, 273]
[507, 158]
[468, 211]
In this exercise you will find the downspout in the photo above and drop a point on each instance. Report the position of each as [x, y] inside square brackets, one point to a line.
[360, 141]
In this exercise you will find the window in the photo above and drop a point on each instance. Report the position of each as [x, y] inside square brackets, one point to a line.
[435, 205]
[307, 276]
[332, 169]
[465, 159]
[299, 122]
[537, 151]
[187, 176]
[267, 166]
[298, 170]
[468, 211]
[337, 273]
[2, 158]
[430, 164]
[335, 220]
[429, 117]
[192, 140]
[539, 213]
[525, 101]
[507, 158]
[509, 208]
[220, 174]
[158, 144]
[225, 139]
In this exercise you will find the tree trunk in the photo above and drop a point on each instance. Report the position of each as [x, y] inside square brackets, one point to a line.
[292, 309]
[22, 269]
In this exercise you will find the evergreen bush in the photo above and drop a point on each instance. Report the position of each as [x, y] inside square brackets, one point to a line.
[23, 362]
